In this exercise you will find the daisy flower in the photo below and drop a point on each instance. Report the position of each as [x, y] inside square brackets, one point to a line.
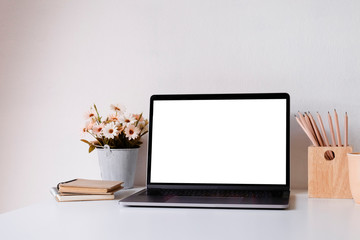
[97, 129]
[110, 130]
[144, 128]
[138, 118]
[120, 128]
[132, 132]
[118, 108]
[114, 117]
[88, 126]
[126, 120]
[91, 114]
[143, 124]
[84, 130]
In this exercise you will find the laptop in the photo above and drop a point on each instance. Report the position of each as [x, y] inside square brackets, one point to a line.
[217, 151]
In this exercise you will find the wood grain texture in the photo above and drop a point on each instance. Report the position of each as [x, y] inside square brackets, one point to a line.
[328, 178]
[354, 175]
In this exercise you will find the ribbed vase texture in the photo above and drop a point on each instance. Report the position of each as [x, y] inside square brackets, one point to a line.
[118, 165]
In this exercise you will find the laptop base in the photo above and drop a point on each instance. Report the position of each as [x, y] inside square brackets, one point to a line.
[144, 199]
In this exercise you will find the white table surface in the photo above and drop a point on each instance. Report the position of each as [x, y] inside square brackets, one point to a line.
[305, 219]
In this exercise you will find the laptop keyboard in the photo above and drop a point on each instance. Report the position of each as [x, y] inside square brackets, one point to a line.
[218, 193]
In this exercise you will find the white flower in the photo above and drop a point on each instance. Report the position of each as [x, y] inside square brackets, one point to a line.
[138, 118]
[114, 117]
[98, 129]
[132, 132]
[120, 128]
[144, 128]
[87, 127]
[91, 114]
[84, 130]
[118, 108]
[110, 130]
[127, 120]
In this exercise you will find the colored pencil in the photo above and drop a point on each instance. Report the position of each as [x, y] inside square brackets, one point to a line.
[310, 136]
[337, 128]
[317, 132]
[346, 130]
[305, 124]
[310, 127]
[323, 130]
[331, 131]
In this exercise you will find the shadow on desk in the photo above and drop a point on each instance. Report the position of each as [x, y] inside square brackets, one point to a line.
[292, 202]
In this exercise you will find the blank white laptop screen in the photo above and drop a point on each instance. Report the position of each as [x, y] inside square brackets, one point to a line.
[219, 141]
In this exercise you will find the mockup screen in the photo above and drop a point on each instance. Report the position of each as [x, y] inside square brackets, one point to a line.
[219, 141]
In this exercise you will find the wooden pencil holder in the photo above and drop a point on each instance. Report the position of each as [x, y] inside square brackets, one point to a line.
[328, 178]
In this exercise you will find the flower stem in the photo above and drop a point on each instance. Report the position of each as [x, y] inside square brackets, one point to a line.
[98, 115]
[95, 138]
[137, 122]
[142, 134]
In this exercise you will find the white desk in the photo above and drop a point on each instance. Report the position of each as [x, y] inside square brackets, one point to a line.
[305, 219]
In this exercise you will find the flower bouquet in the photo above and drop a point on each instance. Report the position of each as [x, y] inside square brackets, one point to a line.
[118, 130]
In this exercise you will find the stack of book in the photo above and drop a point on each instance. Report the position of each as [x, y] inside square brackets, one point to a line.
[86, 190]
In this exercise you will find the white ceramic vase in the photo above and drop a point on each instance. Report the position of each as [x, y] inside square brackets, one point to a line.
[118, 164]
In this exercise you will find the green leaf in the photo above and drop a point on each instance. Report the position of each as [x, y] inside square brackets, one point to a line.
[91, 148]
[142, 134]
[85, 141]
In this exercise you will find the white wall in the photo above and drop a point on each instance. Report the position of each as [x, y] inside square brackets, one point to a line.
[59, 57]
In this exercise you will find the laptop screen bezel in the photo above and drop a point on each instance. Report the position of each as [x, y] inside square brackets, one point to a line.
[240, 96]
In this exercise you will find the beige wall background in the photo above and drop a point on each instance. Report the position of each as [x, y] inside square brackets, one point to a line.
[59, 57]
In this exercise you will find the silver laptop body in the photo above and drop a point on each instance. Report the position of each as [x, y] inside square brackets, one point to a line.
[218, 151]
